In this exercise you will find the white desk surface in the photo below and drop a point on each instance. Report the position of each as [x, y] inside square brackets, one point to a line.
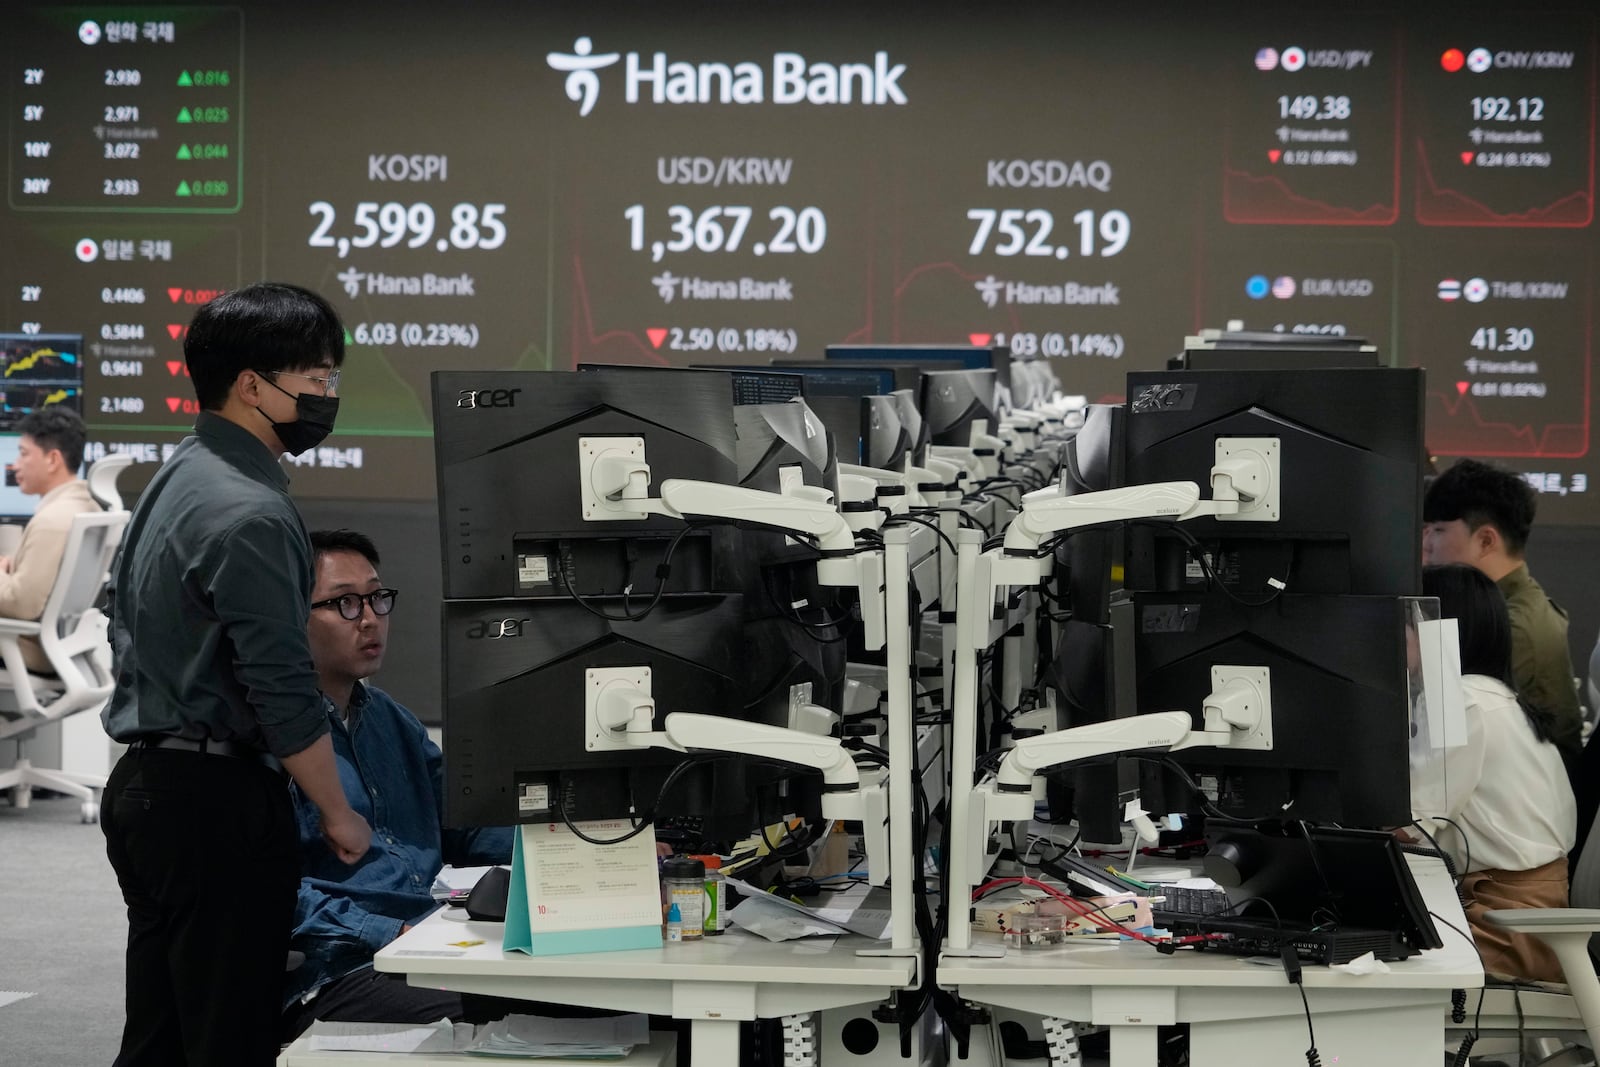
[662, 1051]
[1127, 963]
[735, 956]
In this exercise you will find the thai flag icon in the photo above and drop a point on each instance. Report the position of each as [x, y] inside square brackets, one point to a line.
[1450, 289]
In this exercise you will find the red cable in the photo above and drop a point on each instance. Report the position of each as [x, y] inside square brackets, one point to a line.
[1086, 912]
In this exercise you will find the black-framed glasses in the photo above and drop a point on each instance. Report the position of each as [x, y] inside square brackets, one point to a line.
[330, 384]
[381, 601]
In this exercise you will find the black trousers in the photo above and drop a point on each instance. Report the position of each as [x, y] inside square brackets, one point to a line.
[205, 850]
[369, 996]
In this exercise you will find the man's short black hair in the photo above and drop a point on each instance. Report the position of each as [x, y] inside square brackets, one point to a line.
[325, 541]
[268, 326]
[56, 427]
[1480, 494]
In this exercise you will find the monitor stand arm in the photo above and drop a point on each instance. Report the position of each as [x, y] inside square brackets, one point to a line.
[620, 714]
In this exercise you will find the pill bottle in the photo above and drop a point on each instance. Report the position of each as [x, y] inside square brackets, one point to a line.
[685, 882]
[716, 895]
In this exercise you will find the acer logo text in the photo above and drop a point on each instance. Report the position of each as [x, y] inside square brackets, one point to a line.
[487, 398]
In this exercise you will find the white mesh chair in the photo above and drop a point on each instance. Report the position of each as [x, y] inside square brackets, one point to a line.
[1558, 1024]
[102, 479]
[72, 633]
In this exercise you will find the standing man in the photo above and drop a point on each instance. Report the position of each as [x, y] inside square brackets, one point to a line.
[215, 692]
[394, 775]
[49, 453]
[1478, 514]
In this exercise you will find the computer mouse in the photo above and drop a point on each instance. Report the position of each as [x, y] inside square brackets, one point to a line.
[487, 901]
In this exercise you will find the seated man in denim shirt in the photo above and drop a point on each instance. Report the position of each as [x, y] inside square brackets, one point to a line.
[393, 776]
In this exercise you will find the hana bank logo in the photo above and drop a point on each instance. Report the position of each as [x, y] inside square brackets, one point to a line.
[579, 65]
[788, 79]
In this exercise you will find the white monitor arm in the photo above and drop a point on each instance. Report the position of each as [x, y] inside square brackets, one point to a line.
[614, 481]
[1237, 713]
[620, 714]
[1244, 486]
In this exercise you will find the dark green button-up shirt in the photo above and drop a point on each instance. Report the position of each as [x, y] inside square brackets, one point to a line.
[208, 601]
[1541, 663]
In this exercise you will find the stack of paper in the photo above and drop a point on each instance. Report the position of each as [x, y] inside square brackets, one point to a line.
[537, 1035]
[441, 1036]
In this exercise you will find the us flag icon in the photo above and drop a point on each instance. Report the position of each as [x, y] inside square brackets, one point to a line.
[1267, 59]
[1450, 289]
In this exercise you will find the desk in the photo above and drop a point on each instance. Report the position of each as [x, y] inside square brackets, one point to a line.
[716, 983]
[662, 1051]
[1240, 1014]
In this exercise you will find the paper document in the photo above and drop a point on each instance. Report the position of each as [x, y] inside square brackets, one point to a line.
[538, 1035]
[574, 885]
[441, 1036]
[456, 880]
[778, 918]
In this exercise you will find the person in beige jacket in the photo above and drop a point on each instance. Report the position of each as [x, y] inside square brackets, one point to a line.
[48, 457]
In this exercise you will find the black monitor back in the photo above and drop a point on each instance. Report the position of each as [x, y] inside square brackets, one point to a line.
[506, 454]
[1340, 707]
[1351, 486]
[885, 438]
[514, 683]
[952, 400]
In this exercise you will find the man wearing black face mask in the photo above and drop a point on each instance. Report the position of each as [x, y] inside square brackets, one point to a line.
[216, 695]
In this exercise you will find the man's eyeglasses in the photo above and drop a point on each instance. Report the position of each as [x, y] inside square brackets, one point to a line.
[330, 384]
[380, 600]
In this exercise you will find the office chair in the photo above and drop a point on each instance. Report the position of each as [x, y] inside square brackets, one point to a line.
[72, 633]
[1544, 1010]
[102, 479]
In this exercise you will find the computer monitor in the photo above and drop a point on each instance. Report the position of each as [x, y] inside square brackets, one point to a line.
[1343, 551]
[511, 514]
[514, 680]
[1339, 695]
[39, 370]
[747, 386]
[902, 374]
[14, 503]
[833, 394]
[1350, 497]
[886, 440]
[765, 387]
[566, 594]
[970, 357]
[951, 401]
[781, 446]
[821, 379]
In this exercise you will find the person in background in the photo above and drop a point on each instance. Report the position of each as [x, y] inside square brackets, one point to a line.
[1508, 818]
[215, 694]
[49, 453]
[1478, 514]
[393, 775]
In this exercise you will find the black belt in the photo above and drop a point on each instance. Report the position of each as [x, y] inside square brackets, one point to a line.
[210, 747]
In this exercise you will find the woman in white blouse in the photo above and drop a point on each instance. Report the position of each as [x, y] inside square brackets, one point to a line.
[1510, 809]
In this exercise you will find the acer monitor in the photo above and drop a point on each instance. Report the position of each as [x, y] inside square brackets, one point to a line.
[514, 725]
[1350, 508]
[506, 446]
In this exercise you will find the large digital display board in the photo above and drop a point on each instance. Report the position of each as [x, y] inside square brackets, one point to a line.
[512, 185]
